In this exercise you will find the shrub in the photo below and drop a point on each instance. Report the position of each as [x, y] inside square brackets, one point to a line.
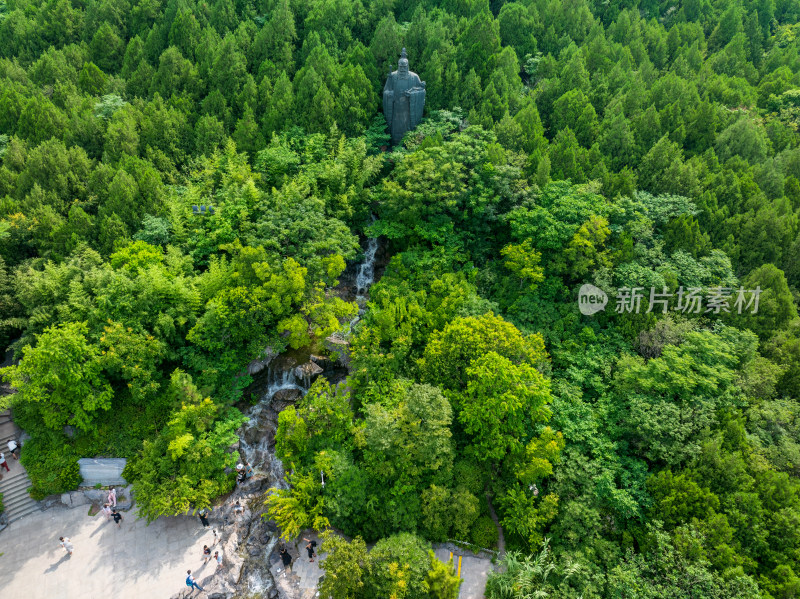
[52, 467]
[484, 532]
[467, 474]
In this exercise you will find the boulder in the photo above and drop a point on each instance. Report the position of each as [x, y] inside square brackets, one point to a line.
[97, 496]
[287, 396]
[324, 362]
[78, 498]
[339, 349]
[262, 362]
[308, 371]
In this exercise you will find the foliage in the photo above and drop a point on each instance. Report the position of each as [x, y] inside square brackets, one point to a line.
[183, 468]
[522, 576]
[641, 145]
[63, 376]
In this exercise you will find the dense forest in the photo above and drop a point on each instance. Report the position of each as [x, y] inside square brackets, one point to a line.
[631, 453]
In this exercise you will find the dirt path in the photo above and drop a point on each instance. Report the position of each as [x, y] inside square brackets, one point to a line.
[501, 541]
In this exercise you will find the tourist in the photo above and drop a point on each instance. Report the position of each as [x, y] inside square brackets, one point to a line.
[202, 515]
[13, 449]
[216, 538]
[191, 583]
[112, 497]
[66, 544]
[218, 559]
[238, 508]
[310, 548]
[117, 517]
[206, 554]
[107, 511]
[3, 462]
[287, 559]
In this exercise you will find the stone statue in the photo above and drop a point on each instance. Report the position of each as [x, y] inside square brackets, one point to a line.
[403, 100]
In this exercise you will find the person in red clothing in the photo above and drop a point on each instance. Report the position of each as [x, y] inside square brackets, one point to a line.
[3, 462]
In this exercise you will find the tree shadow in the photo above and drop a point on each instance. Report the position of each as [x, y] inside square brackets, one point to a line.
[54, 567]
[100, 527]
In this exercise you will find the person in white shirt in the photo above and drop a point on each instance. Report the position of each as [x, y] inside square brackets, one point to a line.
[66, 544]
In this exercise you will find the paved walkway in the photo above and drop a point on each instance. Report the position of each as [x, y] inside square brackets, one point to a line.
[474, 572]
[134, 561]
[305, 575]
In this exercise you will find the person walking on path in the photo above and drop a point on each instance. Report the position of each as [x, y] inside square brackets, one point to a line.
[218, 559]
[191, 582]
[310, 548]
[112, 497]
[107, 511]
[287, 559]
[202, 515]
[13, 448]
[216, 538]
[3, 462]
[66, 544]
[244, 471]
[117, 517]
[206, 554]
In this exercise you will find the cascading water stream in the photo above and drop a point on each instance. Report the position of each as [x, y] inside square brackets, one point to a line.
[254, 444]
[284, 378]
[365, 277]
[366, 270]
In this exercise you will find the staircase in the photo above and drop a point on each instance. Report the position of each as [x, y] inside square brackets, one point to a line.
[14, 485]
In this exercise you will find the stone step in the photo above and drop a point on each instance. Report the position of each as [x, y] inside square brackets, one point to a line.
[16, 490]
[20, 482]
[20, 494]
[13, 503]
[16, 501]
[23, 511]
[15, 480]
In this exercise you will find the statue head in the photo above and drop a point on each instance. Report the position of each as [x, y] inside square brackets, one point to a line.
[402, 64]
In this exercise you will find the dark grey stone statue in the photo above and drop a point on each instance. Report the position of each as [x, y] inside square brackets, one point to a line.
[403, 100]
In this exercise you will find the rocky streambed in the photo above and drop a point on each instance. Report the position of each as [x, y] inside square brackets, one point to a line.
[248, 541]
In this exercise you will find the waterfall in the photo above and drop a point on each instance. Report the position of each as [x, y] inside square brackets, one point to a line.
[366, 270]
[282, 374]
[281, 380]
[255, 440]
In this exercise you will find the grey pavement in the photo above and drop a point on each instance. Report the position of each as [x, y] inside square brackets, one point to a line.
[474, 572]
[134, 561]
[304, 577]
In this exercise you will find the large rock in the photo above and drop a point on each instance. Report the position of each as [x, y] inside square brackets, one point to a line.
[106, 472]
[286, 396]
[324, 362]
[308, 372]
[97, 496]
[339, 349]
[262, 362]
